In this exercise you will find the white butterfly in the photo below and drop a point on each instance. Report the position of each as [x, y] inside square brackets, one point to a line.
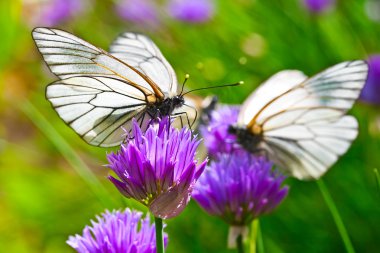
[300, 123]
[99, 92]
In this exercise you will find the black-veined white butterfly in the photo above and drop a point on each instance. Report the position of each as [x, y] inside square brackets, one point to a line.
[300, 122]
[100, 92]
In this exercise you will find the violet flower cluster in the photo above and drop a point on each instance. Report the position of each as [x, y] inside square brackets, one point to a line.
[148, 11]
[239, 187]
[217, 138]
[116, 232]
[318, 6]
[371, 90]
[158, 168]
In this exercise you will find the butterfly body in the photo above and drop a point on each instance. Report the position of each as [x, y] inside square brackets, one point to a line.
[249, 141]
[165, 107]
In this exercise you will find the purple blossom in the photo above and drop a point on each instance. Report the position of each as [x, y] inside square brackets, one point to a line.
[54, 12]
[138, 11]
[217, 139]
[239, 188]
[318, 6]
[194, 11]
[158, 168]
[371, 90]
[115, 232]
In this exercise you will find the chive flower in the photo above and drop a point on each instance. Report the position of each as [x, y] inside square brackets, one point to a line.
[371, 90]
[238, 188]
[116, 232]
[158, 168]
[318, 6]
[217, 138]
[194, 11]
[142, 12]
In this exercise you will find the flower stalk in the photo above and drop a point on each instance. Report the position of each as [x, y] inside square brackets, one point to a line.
[159, 237]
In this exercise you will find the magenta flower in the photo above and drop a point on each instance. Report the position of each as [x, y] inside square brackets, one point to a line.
[116, 232]
[138, 11]
[318, 6]
[371, 90]
[194, 11]
[217, 139]
[239, 188]
[158, 168]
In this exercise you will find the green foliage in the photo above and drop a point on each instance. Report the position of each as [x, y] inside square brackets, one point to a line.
[44, 199]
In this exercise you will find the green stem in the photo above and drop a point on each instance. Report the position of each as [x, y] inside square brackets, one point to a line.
[260, 243]
[377, 177]
[253, 240]
[239, 243]
[335, 214]
[159, 237]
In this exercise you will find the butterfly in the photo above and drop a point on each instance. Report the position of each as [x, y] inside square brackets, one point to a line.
[99, 93]
[300, 123]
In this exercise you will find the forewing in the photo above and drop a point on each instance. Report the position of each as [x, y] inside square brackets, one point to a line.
[139, 51]
[68, 56]
[97, 108]
[304, 127]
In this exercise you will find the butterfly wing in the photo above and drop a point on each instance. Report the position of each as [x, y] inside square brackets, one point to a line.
[68, 56]
[304, 126]
[97, 107]
[139, 51]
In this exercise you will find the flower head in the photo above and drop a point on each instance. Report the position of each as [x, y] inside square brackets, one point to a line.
[371, 90]
[239, 187]
[158, 168]
[115, 232]
[194, 11]
[318, 6]
[138, 11]
[217, 138]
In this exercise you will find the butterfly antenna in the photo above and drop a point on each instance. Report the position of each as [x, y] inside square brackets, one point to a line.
[187, 76]
[218, 86]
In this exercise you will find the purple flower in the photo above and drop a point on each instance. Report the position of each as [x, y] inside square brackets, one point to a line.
[194, 11]
[54, 12]
[217, 139]
[371, 90]
[138, 11]
[158, 168]
[239, 188]
[115, 232]
[318, 6]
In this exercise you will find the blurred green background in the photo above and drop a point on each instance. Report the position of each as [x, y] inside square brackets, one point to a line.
[48, 190]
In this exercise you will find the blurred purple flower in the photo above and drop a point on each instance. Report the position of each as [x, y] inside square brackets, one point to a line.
[217, 139]
[195, 11]
[239, 188]
[115, 232]
[371, 90]
[138, 11]
[158, 168]
[54, 12]
[318, 6]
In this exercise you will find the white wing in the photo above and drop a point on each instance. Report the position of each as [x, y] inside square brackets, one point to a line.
[68, 56]
[304, 126]
[98, 108]
[139, 51]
